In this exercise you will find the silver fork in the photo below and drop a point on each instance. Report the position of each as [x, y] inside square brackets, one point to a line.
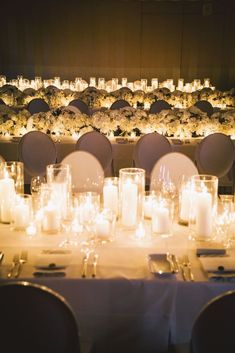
[187, 264]
[14, 265]
[23, 259]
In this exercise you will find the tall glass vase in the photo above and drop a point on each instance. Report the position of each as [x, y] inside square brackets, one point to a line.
[203, 208]
[131, 192]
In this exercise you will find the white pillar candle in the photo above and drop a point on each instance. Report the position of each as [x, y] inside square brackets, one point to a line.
[21, 215]
[203, 214]
[7, 194]
[51, 219]
[161, 223]
[129, 204]
[110, 196]
[185, 205]
[148, 202]
[103, 228]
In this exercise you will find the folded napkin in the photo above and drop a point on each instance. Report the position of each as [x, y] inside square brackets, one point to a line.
[53, 259]
[219, 264]
[211, 252]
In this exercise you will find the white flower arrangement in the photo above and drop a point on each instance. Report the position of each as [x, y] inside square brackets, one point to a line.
[179, 123]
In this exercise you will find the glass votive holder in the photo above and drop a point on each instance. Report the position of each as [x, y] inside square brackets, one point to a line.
[89, 206]
[21, 212]
[7, 197]
[131, 196]
[223, 221]
[203, 206]
[184, 202]
[59, 178]
[105, 226]
[148, 204]
[48, 211]
[15, 171]
[162, 216]
[110, 194]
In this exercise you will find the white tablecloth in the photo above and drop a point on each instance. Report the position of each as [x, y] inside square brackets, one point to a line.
[126, 308]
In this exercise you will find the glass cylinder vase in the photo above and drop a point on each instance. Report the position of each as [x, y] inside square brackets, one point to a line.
[131, 194]
[203, 207]
[59, 179]
[15, 171]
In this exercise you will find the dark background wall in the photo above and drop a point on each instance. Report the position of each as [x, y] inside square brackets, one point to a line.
[119, 38]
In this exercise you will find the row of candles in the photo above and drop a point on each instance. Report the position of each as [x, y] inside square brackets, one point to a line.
[53, 208]
[79, 84]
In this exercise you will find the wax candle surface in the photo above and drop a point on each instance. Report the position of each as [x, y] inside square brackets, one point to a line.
[51, 219]
[203, 214]
[7, 195]
[161, 223]
[21, 215]
[110, 195]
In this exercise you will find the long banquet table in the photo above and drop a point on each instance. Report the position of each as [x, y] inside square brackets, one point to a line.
[122, 150]
[125, 308]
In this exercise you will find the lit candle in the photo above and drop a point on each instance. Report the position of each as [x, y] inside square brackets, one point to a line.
[140, 231]
[21, 215]
[103, 229]
[110, 196]
[51, 219]
[148, 201]
[203, 214]
[7, 194]
[185, 205]
[129, 204]
[161, 223]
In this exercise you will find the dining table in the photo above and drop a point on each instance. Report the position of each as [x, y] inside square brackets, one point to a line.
[122, 149]
[126, 306]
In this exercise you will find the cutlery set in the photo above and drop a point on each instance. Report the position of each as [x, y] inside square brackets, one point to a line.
[85, 265]
[18, 262]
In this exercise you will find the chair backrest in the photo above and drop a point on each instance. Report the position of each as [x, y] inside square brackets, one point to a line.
[215, 155]
[148, 149]
[82, 106]
[36, 151]
[120, 103]
[71, 108]
[37, 105]
[158, 106]
[172, 165]
[205, 107]
[213, 330]
[87, 172]
[99, 145]
[36, 319]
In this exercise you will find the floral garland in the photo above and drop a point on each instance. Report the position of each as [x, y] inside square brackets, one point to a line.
[179, 123]
[96, 98]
